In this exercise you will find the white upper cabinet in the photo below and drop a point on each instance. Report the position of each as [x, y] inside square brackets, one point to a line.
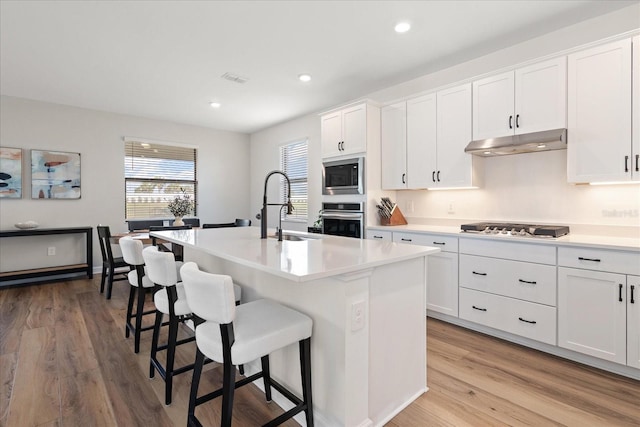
[394, 146]
[454, 166]
[635, 109]
[344, 131]
[421, 140]
[599, 114]
[529, 99]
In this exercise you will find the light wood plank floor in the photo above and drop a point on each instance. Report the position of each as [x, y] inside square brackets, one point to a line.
[64, 361]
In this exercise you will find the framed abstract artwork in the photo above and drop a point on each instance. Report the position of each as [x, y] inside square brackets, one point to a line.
[55, 175]
[10, 173]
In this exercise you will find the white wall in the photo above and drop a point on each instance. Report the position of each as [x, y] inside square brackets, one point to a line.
[265, 157]
[527, 187]
[223, 173]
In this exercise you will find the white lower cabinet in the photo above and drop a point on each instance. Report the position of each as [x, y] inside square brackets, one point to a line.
[442, 270]
[592, 316]
[500, 289]
[598, 308]
[633, 321]
[527, 319]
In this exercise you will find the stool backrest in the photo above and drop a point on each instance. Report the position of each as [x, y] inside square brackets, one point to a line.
[161, 266]
[131, 250]
[210, 296]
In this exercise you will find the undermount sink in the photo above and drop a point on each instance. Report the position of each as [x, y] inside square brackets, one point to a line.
[293, 237]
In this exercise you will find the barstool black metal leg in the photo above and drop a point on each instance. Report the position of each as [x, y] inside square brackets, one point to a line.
[139, 311]
[228, 389]
[171, 352]
[266, 376]
[129, 325]
[195, 382]
[154, 343]
[305, 368]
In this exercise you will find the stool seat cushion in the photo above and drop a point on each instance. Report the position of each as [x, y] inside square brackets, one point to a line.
[161, 299]
[133, 279]
[260, 327]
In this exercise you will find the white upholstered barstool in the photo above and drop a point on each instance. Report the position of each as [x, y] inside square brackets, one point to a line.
[139, 283]
[170, 300]
[233, 335]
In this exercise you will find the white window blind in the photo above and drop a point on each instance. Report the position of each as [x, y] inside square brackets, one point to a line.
[154, 174]
[293, 161]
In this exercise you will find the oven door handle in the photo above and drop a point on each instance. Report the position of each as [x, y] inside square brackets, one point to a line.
[342, 215]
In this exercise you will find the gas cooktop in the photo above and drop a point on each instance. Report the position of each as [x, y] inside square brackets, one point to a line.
[514, 229]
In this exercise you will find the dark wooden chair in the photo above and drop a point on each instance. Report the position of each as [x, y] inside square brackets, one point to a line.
[109, 263]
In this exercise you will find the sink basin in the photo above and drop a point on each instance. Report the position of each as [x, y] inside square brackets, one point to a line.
[293, 237]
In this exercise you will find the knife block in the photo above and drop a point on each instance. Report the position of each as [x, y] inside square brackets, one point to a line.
[396, 218]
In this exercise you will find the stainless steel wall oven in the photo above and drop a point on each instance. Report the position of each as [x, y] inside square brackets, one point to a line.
[343, 219]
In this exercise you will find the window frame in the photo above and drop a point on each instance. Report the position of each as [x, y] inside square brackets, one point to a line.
[182, 150]
[283, 148]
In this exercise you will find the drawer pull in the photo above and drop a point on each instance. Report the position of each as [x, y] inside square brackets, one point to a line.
[620, 292]
[478, 308]
[377, 237]
[533, 322]
[439, 243]
[479, 274]
[406, 240]
[526, 281]
[588, 259]
[632, 300]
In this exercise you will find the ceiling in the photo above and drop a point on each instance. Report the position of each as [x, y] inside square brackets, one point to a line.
[164, 59]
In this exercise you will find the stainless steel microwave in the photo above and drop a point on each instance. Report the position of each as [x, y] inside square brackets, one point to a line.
[343, 176]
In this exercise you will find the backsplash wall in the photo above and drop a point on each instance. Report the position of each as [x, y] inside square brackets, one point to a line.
[528, 187]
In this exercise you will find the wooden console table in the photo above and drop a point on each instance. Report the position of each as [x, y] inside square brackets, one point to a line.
[86, 267]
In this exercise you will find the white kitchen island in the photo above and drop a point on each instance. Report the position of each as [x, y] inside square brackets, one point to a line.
[366, 299]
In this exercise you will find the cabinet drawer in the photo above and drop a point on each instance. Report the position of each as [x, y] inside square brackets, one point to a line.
[379, 235]
[541, 254]
[521, 280]
[527, 319]
[445, 243]
[600, 260]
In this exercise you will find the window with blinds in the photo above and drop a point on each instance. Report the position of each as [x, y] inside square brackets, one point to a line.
[293, 161]
[154, 175]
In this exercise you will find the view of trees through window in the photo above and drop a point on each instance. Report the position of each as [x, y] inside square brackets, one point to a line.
[155, 175]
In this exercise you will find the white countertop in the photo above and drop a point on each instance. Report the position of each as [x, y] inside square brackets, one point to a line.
[571, 239]
[317, 257]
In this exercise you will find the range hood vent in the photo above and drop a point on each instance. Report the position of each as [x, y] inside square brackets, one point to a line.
[527, 143]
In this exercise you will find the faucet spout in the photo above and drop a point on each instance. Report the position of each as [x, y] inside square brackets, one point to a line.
[263, 211]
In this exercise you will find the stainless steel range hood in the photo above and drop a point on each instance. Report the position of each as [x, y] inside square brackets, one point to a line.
[527, 143]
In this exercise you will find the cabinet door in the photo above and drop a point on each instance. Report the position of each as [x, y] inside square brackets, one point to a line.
[541, 96]
[331, 134]
[421, 141]
[493, 106]
[633, 321]
[454, 133]
[592, 313]
[635, 108]
[394, 146]
[599, 114]
[354, 129]
[442, 283]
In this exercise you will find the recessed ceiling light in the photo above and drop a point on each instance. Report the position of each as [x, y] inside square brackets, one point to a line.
[402, 27]
[304, 77]
[215, 104]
